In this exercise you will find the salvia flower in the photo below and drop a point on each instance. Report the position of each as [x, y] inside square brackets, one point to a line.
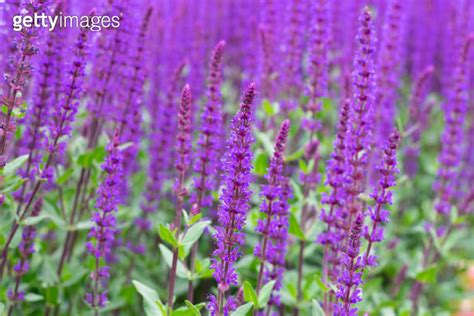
[381, 196]
[271, 193]
[206, 164]
[348, 291]
[19, 71]
[235, 196]
[26, 249]
[336, 179]
[60, 125]
[318, 67]
[452, 138]
[419, 119]
[102, 234]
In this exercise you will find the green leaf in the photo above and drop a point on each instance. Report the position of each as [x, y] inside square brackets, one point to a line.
[150, 299]
[32, 297]
[320, 283]
[303, 166]
[12, 166]
[265, 140]
[428, 275]
[242, 310]
[295, 228]
[125, 146]
[194, 219]
[268, 107]
[265, 293]
[317, 310]
[181, 270]
[194, 232]
[193, 308]
[33, 220]
[167, 235]
[249, 294]
[261, 164]
[2, 308]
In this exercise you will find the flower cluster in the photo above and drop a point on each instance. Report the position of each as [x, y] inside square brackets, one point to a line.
[235, 198]
[274, 206]
[209, 142]
[102, 234]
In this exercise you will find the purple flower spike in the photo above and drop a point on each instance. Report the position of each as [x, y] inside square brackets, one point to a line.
[382, 196]
[336, 179]
[26, 249]
[60, 125]
[349, 292]
[235, 197]
[273, 199]
[102, 234]
[319, 55]
[209, 142]
[452, 138]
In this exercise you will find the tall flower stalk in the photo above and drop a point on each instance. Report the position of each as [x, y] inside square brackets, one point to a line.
[102, 233]
[232, 213]
[209, 143]
[273, 200]
[26, 249]
[19, 73]
[59, 129]
[183, 149]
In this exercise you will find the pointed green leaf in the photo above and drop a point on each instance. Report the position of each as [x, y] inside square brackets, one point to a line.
[150, 299]
[295, 228]
[265, 293]
[242, 310]
[167, 235]
[12, 166]
[317, 310]
[249, 293]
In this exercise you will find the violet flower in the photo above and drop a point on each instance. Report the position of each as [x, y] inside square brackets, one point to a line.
[102, 234]
[26, 249]
[268, 226]
[418, 121]
[206, 163]
[381, 196]
[336, 179]
[34, 137]
[318, 68]
[183, 150]
[18, 73]
[235, 197]
[348, 291]
[452, 138]
[64, 114]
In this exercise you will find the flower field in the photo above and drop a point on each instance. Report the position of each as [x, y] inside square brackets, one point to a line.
[237, 157]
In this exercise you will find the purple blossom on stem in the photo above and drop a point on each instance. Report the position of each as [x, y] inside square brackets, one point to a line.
[206, 163]
[388, 68]
[381, 196]
[209, 143]
[60, 123]
[26, 249]
[419, 119]
[34, 137]
[348, 291]
[452, 138]
[318, 68]
[336, 179]
[358, 146]
[18, 73]
[183, 150]
[102, 234]
[271, 193]
[237, 165]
